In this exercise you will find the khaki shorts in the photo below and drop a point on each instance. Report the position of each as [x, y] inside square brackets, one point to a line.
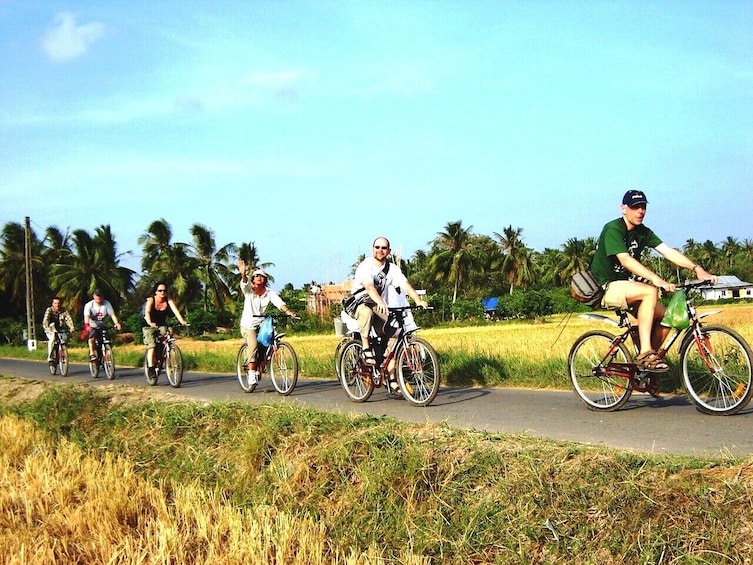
[615, 296]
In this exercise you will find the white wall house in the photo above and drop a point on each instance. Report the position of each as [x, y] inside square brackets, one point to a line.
[728, 287]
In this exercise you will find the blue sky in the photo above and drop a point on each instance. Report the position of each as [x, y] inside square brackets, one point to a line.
[309, 128]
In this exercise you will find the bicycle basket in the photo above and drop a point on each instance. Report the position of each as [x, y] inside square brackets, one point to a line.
[676, 315]
[265, 333]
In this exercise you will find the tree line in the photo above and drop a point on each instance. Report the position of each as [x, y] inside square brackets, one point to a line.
[458, 269]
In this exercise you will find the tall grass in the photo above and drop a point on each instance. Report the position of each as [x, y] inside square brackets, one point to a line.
[109, 481]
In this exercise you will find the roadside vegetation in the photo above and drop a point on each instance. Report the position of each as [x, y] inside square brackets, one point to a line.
[105, 475]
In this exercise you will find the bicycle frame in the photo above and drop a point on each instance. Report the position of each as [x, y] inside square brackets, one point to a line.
[630, 370]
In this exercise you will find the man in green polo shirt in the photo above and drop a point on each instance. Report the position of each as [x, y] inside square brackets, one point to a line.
[632, 286]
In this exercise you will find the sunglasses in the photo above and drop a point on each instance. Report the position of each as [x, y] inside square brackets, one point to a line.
[161, 290]
[381, 247]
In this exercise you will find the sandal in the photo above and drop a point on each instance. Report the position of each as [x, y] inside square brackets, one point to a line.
[650, 361]
[393, 388]
[368, 357]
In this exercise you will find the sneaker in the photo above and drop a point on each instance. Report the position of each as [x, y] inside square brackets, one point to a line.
[51, 361]
[92, 358]
[253, 378]
[152, 372]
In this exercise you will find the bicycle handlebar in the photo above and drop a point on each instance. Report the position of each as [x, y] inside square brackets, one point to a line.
[694, 284]
[409, 307]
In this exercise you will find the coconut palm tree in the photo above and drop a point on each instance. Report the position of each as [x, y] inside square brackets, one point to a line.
[212, 266]
[13, 267]
[576, 256]
[729, 247]
[517, 266]
[170, 262]
[93, 262]
[453, 256]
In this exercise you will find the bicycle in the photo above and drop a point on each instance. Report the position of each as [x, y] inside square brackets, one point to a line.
[59, 354]
[715, 362]
[104, 356]
[167, 358]
[417, 364]
[279, 356]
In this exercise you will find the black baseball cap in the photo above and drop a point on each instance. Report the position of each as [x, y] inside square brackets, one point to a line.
[634, 198]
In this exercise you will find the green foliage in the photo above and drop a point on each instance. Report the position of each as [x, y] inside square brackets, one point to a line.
[467, 310]
[202, 321]
[11, 331]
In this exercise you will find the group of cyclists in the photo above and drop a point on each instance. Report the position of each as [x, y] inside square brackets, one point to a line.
[628, 285]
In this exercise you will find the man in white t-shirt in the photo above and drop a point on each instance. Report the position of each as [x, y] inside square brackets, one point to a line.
[375, 275]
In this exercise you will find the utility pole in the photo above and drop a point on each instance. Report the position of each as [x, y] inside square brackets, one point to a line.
[31, 331]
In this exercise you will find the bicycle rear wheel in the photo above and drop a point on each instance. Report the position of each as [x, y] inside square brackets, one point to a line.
[587, 365]
[339, 353]
[62, 360]
[108, 361]
[355, 376]
[716, 370]
[283, 368]
[241, 364]
[418, 372]
[174, 366]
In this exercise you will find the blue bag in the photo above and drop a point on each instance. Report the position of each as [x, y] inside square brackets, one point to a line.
[265, 333]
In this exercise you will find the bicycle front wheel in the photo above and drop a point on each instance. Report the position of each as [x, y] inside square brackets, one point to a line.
[283, 368]
[716, 370]
[355, 376]
[152, 380]
[241, 369]
[54, 364]
[174, 366]
[592, 381]
[418, 372]
[108, 361]
[62, 360]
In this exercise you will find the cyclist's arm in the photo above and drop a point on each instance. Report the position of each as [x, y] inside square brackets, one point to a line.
[174, 308]
[639, 269]
[46, 319]
[414, 295]
[679, 259]
[68, 320]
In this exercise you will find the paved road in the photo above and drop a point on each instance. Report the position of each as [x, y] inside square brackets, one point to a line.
[667, 425]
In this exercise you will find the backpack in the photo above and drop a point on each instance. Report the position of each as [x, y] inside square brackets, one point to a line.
[351, 303]
[586, 289]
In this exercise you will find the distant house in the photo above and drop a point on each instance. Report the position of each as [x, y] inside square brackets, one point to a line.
[321, 298]
[728, 287]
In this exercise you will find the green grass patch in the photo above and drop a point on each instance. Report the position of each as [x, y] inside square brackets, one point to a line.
[442, 494]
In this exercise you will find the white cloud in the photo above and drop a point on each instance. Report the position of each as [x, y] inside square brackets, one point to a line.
[67, 41]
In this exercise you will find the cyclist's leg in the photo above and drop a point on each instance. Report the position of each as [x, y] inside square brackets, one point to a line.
[50, 345]
[150, 342]
[249, 334]
[92, 337]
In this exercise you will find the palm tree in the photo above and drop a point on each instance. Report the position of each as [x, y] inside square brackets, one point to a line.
[93, 262]
[13, 266]
[729, 247]
[164, 260]
[576, 256]
[517, 265]
[454, 256]
[212, 266]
